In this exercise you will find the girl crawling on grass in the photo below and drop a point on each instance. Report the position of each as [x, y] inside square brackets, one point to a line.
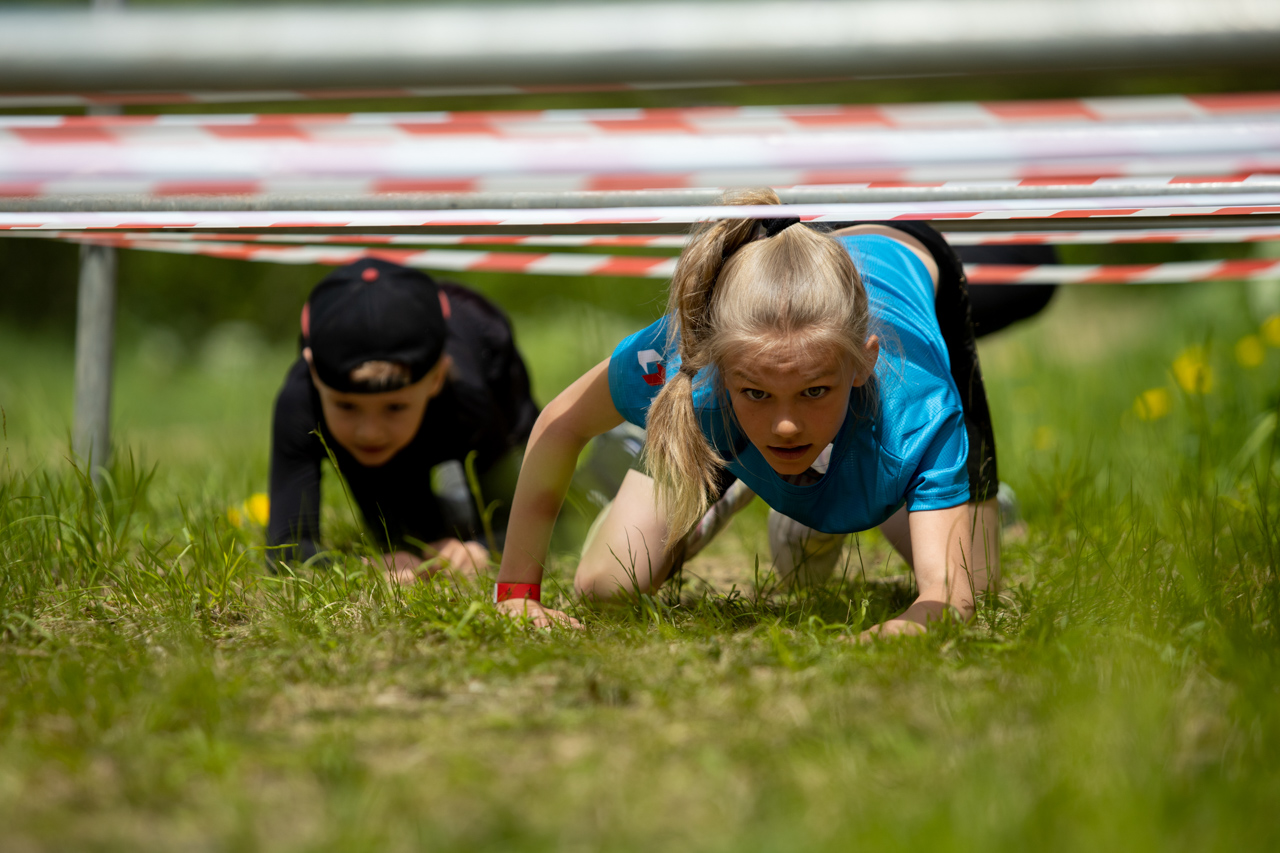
[834, 375]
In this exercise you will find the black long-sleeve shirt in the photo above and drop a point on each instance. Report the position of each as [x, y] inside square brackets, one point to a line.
[485, 405]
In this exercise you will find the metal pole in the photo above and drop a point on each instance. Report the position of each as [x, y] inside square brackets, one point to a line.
[298, 47]
[95, 337]
[193, 205]
[95, 350]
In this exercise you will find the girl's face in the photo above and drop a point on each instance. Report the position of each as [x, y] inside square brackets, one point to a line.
[791, 405]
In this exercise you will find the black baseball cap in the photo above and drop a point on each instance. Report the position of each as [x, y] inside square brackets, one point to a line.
[373, 310]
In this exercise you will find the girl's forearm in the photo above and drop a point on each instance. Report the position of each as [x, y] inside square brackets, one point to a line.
[549, 463]
[580, 412]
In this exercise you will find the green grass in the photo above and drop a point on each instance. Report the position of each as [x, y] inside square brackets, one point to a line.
[158, 690]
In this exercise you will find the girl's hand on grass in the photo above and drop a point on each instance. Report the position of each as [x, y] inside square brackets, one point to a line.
[539, 616]
[893, 628]
[915, 620]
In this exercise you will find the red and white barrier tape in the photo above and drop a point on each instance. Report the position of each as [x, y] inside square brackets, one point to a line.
[1245, 234]
[1174, 272]
[81, 185]
[661, 268]
[639, 241]
[452, 260]
[1116, 207]
[935, 114]
[53, 156]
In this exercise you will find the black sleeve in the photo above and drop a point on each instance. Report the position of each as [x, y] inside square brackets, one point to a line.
[485, 333]
[295, 472]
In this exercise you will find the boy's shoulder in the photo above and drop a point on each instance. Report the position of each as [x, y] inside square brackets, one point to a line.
[465, 308]
[296, 412]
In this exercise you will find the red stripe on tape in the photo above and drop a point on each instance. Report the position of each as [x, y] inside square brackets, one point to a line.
[1118, 272]
[1240, 269]
[1037, 110]
[959, 214]
[648, 124]
[18, 189]
[638, 182]
[256, 131]
[1210, 179]
[628, 265]
[851, 176]
[997, 273]
[418, 185]
[64, 135]
[1242, 102]
[208, 188]
[464, 127]
[507, 261]
[1058, 180]
[1084, 214]
[398, 256]
[1233, 211]
[850, 116]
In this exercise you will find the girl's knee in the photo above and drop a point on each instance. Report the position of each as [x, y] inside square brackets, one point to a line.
[615, 575]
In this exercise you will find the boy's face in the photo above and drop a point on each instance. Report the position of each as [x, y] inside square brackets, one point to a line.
[375, 427]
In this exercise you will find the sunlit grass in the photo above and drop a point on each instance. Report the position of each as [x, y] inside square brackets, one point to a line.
[158, 689]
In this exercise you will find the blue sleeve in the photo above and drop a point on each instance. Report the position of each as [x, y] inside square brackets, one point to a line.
[942, 478]
[637, 371]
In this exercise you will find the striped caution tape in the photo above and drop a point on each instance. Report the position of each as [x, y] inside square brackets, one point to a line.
[371, 154]
[675, 242]
[935, 114]
[1013, 209]
[663, 267]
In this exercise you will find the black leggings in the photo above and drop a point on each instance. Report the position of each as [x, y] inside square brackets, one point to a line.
[995, 306]
[955, 320]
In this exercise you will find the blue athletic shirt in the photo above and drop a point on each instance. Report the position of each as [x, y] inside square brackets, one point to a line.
[902, 443]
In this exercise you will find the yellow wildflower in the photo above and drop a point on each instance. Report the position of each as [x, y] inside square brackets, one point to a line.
[1191, 369]
[1153, 404]
[1250, 352]
[1271, 330]
[258, 508]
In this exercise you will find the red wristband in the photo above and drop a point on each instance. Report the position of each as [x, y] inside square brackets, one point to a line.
[503, 591]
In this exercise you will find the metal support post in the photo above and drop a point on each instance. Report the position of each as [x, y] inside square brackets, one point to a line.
[95, 354]
[95, 338]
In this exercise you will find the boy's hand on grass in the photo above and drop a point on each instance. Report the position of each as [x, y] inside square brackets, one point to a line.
[461, 559]
[402, 567]
[539, 616]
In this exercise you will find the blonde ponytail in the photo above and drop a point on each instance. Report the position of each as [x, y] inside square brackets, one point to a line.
[683, 463]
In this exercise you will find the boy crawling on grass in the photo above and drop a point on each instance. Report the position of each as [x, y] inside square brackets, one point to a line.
[398, 374]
